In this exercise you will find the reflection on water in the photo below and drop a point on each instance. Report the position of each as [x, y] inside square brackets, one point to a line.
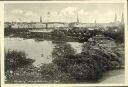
[41, 51]
[76, 46]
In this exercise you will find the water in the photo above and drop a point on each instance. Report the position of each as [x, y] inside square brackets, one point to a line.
[76, 46]
[40, 51]
[113, 76]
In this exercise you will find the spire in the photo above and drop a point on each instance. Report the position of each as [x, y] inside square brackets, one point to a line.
[115, 20]
[95, 21]
[40, 19]
[77, 18]
[122, 19]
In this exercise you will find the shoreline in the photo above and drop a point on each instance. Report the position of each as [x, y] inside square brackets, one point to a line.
[113, 76]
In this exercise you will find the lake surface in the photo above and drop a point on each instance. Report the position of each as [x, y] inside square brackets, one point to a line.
[40, 51]
[113, 76]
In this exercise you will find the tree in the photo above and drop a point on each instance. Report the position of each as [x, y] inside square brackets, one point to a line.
[60, 51]
[15, 60]
[88, 65]
[78, 66]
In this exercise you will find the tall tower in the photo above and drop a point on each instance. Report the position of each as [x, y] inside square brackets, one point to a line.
[115, 19]
[77, 18]
[122, 19]
[40, 19]
[95, 25]
[95, 21]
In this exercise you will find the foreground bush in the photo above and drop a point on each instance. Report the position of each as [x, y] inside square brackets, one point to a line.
[15, 60]
[88, 65]
[51, 73]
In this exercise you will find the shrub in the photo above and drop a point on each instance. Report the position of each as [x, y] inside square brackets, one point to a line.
[51, 72]
[15, 59]
[88, 65]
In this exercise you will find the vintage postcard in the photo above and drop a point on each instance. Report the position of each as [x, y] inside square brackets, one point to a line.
[63, 43]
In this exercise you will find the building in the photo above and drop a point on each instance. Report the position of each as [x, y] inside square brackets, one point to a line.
[40, 19]
[58, 25]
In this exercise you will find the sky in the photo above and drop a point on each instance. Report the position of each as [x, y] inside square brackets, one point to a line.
[63, 12]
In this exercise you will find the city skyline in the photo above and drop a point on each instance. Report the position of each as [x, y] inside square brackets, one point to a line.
[61, 12]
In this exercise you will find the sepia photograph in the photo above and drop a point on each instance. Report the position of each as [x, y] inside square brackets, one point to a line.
[62, 43]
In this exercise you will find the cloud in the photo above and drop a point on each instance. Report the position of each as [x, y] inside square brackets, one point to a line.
[17, 11]
[67, 14]
[82, 12]
[68, 11]
[30, 13]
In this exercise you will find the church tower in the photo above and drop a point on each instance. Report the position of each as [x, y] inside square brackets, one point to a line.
[40, 19]
[95, 21]
[122, 19]
[115, 19]
[95, 24]
[77, 18]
